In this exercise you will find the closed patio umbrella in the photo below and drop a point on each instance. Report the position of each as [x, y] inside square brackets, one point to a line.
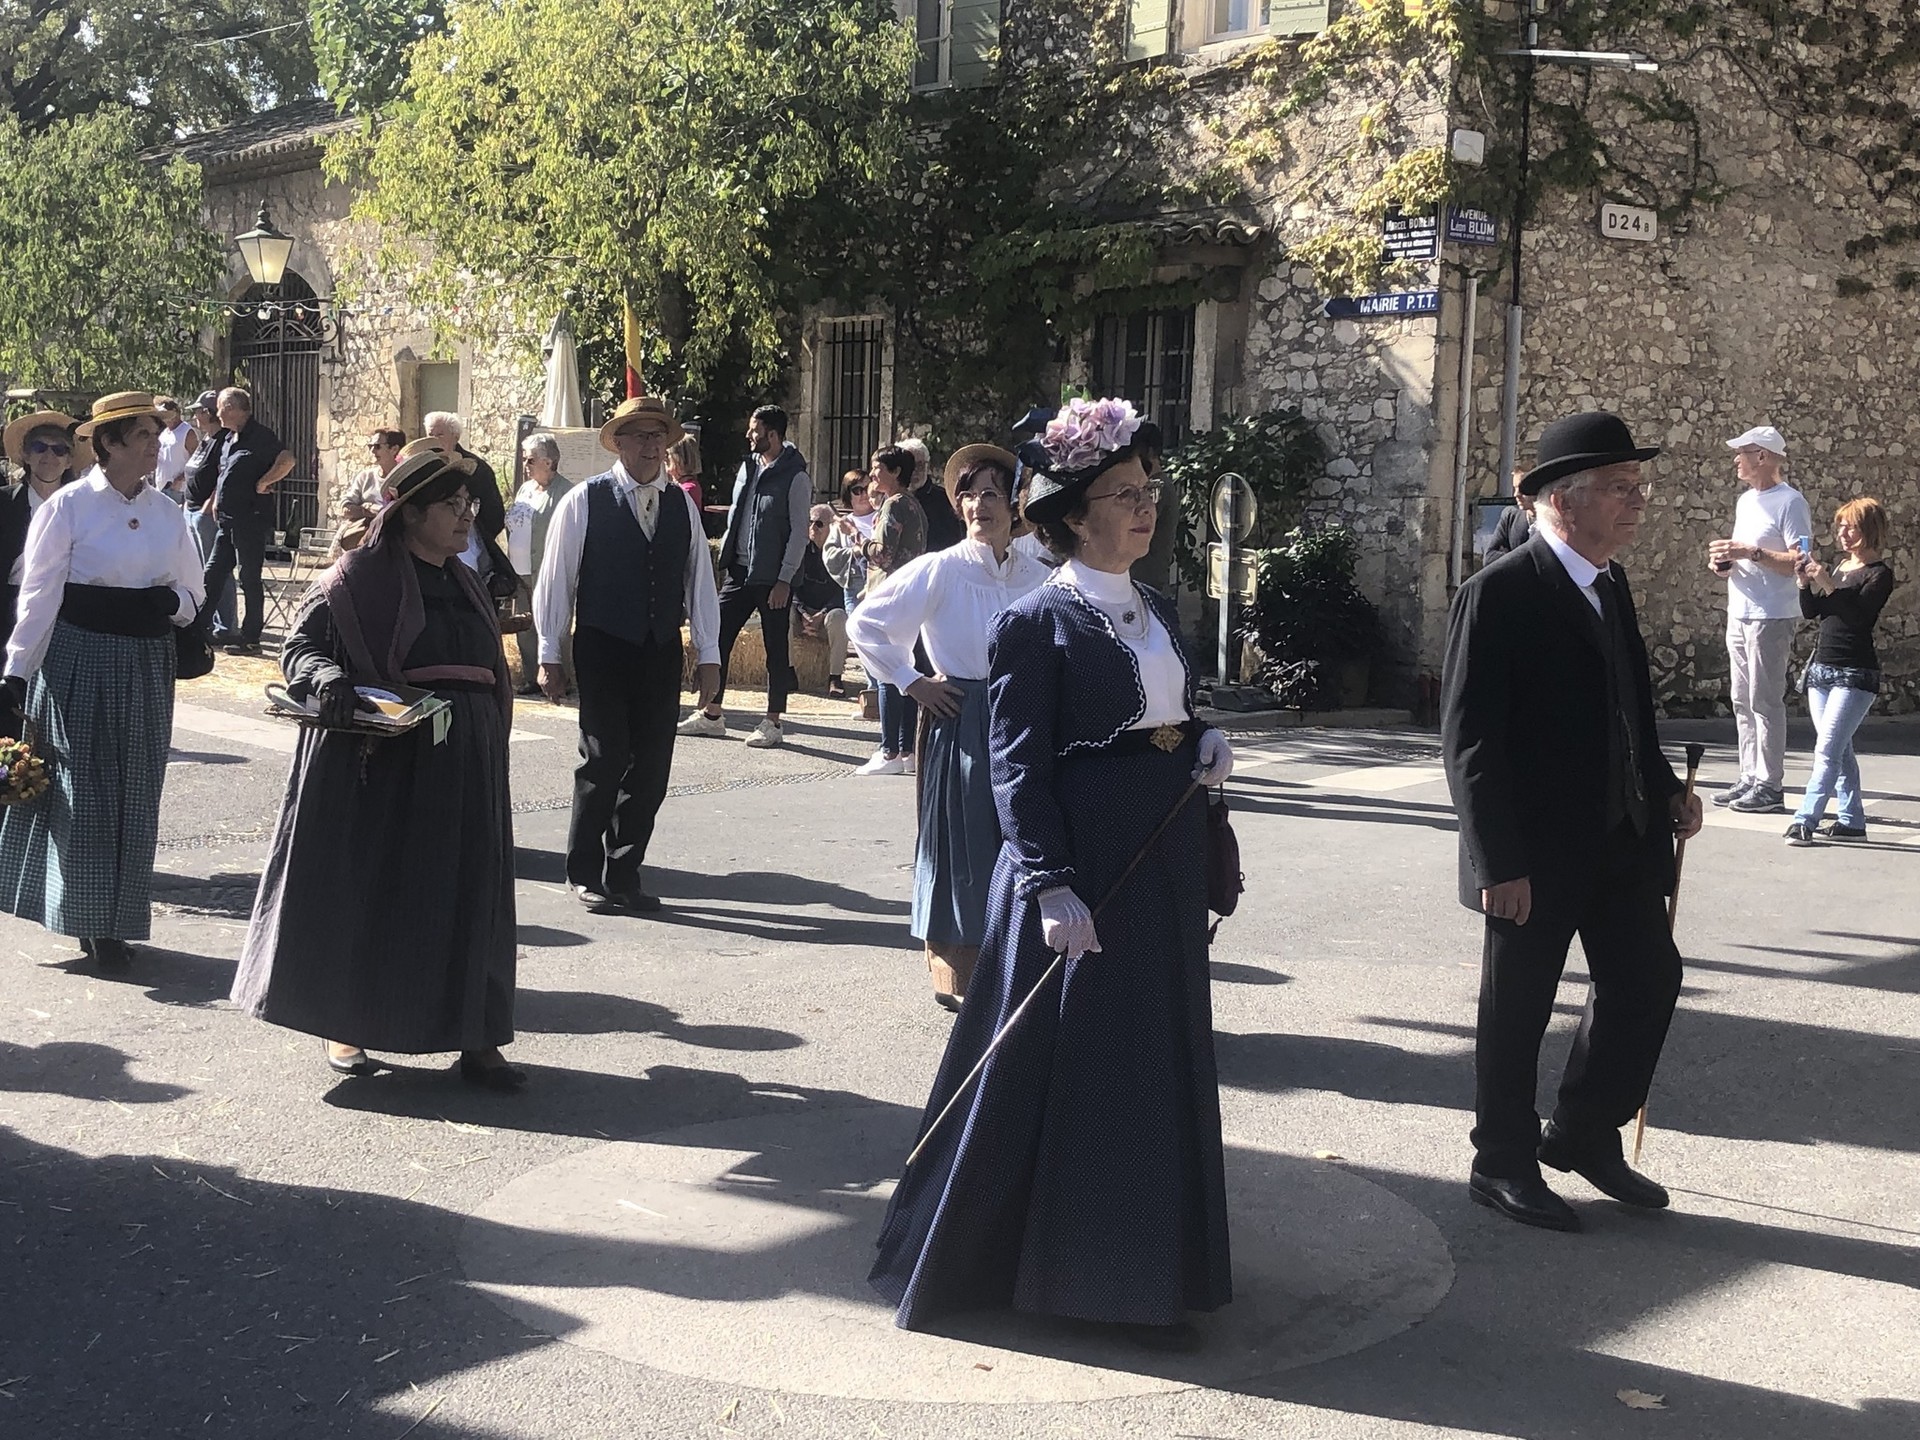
[560, 407]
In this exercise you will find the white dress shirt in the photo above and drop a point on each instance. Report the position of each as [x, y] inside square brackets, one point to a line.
[1579, 569]
[1163, 678]
[560, 567]
[88, 533]
[948, 599]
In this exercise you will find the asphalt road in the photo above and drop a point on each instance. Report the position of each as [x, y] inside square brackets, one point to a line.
[205, 1233]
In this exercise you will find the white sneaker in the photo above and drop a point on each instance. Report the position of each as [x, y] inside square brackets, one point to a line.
[765, 736]
[701, 723]
[881, 765]
[907, 766]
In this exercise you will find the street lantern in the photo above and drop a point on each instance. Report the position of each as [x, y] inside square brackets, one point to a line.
[265, 250]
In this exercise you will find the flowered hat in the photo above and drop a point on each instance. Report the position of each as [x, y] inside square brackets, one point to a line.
[1084, 439]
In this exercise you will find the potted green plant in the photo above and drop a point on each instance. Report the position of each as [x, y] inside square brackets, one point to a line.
[1316, 634]
[1278, 454]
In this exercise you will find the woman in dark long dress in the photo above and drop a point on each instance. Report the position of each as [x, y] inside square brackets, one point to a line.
[385, 918]
[1083, 1175]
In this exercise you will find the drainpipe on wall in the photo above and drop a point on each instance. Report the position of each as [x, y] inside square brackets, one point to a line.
[1510, 389]
[1456, 560]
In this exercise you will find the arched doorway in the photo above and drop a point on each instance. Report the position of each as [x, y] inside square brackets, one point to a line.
[276, 355]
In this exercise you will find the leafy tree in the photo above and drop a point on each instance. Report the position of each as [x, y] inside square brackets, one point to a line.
[177, 66]
[552, 151]
[362, 46]
[101, 249]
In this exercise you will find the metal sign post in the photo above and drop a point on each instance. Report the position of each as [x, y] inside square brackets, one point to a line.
[1232, 508]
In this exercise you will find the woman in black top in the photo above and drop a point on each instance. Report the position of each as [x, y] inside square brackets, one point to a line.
[1844, 675]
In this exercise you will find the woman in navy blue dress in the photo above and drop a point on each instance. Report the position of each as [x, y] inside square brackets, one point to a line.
[1082, 1174]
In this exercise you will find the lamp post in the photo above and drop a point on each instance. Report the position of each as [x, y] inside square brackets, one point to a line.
[1529, 56]
[265, 250]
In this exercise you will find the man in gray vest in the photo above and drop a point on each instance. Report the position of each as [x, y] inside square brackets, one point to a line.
[626, 562]
[759, 556]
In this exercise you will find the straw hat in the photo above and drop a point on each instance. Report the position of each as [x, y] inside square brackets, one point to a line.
[121, 405]
[967, 456]
[421, 461]
[640, 407]
[18, 430]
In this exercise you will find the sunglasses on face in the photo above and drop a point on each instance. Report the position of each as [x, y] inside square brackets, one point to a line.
[49, 447]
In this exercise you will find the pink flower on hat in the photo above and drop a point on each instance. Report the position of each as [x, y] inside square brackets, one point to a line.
[1085, 431]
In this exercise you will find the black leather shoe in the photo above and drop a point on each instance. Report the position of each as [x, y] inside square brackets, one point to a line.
[502, 1077]
[1529, 1201]
[115, 955]
[1606, 1172]
[947, 1002]
[359, 1064]
[635, 901]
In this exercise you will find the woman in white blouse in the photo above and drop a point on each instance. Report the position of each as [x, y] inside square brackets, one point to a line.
[110, 571]
[948, 599]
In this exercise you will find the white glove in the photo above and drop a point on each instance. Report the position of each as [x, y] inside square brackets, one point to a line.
[1216, 759]
[1066, 924]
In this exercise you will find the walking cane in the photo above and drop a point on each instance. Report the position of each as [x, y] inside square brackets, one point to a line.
[1694, 752]
[1058, 961]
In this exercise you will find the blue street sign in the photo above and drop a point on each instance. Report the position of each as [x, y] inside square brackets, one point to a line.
[1472, 227]
[1383, 307]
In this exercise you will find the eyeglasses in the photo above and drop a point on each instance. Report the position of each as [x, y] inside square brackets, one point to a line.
[977, 495]
[1625, 490]
[49, 447]
[1134, 497]
[464, 509]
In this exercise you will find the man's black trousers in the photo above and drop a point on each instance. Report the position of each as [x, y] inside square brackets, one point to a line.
[738, 600]
[629, 703]
[243, 542]
[1621, 919]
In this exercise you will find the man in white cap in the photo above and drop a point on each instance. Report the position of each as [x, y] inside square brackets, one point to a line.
[1770, 529]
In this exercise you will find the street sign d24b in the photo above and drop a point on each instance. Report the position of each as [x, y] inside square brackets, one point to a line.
[1629, 222]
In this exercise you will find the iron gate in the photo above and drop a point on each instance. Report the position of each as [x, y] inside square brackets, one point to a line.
[277, 358]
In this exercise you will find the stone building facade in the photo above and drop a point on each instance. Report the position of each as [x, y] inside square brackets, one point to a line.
[362, 355]
[1731, 317]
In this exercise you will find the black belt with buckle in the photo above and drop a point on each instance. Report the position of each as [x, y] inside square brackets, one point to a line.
[1164, 739]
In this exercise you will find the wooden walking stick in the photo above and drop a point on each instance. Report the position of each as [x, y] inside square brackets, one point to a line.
[1694, 752]
[1051, 970]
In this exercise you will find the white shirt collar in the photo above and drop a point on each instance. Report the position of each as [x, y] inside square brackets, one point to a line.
[1579, 569]
[627, 482]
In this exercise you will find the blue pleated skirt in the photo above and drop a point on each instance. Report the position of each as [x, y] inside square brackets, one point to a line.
[79, 860]
[1083, 1176]
[959, 827]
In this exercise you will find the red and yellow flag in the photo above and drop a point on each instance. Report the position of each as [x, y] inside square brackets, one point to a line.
[631, 324]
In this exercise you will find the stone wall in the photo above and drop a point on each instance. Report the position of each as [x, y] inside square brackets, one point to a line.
[1732, 318]
[365, 381]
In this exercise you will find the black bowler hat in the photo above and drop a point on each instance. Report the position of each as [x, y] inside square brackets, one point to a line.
[1586, 441]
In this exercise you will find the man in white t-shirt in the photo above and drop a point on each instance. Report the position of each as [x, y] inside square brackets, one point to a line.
[178, 441]
[1770, 528]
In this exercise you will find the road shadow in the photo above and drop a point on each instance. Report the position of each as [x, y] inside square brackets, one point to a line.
[1236, 974]
[579, 1012]
[79, 1069]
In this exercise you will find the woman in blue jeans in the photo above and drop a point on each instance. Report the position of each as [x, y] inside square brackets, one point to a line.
[1844, 674]
[899, 536]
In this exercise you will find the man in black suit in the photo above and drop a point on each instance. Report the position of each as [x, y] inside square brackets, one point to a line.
[1568, 812]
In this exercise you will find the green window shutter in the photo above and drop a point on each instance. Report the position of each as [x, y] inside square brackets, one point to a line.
[1149, 28]
[976, 34]
[1297, 17]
